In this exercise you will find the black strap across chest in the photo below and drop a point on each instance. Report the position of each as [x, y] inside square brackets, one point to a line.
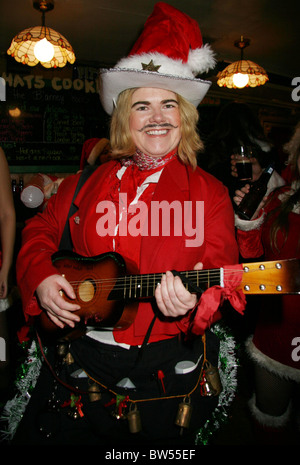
[66, 240]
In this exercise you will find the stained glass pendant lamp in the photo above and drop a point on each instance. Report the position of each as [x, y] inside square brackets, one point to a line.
[242, 73]
[41, 44]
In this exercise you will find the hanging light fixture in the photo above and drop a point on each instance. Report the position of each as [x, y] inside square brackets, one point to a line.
[41, 44]
[242, 73]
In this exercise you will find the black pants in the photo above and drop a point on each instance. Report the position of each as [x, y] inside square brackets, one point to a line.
[157, 395]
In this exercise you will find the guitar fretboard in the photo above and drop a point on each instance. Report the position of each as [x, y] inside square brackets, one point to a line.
[144, 285]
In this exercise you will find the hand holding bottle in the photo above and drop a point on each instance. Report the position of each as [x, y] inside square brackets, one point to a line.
[240, 194]
[251, 197]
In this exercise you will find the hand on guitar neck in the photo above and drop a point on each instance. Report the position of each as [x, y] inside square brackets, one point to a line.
[172, 298]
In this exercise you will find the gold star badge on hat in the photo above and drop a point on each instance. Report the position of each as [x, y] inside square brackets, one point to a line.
[150, 66]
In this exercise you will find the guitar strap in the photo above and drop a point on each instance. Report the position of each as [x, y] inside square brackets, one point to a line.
[66, 240]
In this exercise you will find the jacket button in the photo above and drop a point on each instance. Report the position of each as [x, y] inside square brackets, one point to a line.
[76, 220]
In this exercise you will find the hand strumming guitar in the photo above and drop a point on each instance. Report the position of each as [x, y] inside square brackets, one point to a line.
[58, 309]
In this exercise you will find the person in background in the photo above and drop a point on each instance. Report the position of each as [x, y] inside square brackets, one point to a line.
[274, 346]
[7, 237]
[7, 225]
[152, 366]
[289, 173]
[236, 124]
[95, 151]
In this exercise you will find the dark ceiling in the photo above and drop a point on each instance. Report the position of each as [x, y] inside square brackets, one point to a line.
[103, 31]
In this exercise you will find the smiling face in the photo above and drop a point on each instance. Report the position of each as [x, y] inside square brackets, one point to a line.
[154, 121]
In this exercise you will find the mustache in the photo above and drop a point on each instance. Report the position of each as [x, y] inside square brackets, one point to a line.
[158, 126]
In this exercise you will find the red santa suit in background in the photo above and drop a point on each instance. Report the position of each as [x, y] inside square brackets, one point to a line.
[274, 343]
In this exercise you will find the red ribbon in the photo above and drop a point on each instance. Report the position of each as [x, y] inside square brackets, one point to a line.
[77, 404]
[202, 383]
[111, 402]
[213, 297]
[122, 404]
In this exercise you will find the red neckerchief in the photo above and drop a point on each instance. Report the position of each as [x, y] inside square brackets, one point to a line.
[145, 162]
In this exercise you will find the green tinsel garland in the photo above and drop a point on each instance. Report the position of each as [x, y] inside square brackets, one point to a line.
[27, 376]
[228, 366]
[30, 370]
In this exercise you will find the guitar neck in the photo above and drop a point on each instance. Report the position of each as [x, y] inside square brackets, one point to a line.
[144, 285]
[273, 277]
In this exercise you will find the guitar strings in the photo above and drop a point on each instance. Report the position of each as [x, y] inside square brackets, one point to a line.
[199, 276]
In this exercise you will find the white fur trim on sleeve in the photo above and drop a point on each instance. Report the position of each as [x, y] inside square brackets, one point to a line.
[269, 420]
[275, 181]
[245, 225]
[283, 371]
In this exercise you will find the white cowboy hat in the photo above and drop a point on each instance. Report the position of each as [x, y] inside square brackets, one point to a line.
[168, 55]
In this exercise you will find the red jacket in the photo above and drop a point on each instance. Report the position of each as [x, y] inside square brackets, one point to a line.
[42, 234]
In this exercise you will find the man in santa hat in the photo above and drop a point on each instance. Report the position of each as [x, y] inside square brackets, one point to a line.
[147, 370]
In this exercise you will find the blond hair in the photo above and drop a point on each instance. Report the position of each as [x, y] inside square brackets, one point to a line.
[120, 137]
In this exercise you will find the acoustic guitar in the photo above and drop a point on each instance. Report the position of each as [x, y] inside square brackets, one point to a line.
[109, 297]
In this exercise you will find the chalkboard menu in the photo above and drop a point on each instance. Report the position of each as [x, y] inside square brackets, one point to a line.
[44, 122]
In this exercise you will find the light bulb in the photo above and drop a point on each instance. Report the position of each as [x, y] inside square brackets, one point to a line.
[14, 112]
[240, 80]
[44, 50]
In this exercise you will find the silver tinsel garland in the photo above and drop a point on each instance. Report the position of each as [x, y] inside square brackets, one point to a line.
[25, 383]
[228, 366]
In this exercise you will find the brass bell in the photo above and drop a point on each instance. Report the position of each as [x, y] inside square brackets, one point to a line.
[211, 384]
[94, 392]
[184, 413]
[69, 360]
[62, 348]
[134, 420]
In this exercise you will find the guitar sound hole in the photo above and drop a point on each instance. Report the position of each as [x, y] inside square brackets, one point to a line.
[86, 290]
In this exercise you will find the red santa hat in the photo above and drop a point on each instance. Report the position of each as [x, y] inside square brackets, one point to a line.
[169, 54]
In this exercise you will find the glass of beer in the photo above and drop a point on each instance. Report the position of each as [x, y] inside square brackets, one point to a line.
[243, 163]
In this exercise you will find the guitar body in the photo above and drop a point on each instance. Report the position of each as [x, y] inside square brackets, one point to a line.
[93, 279]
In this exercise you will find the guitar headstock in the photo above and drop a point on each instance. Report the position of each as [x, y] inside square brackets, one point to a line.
[273, 277]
